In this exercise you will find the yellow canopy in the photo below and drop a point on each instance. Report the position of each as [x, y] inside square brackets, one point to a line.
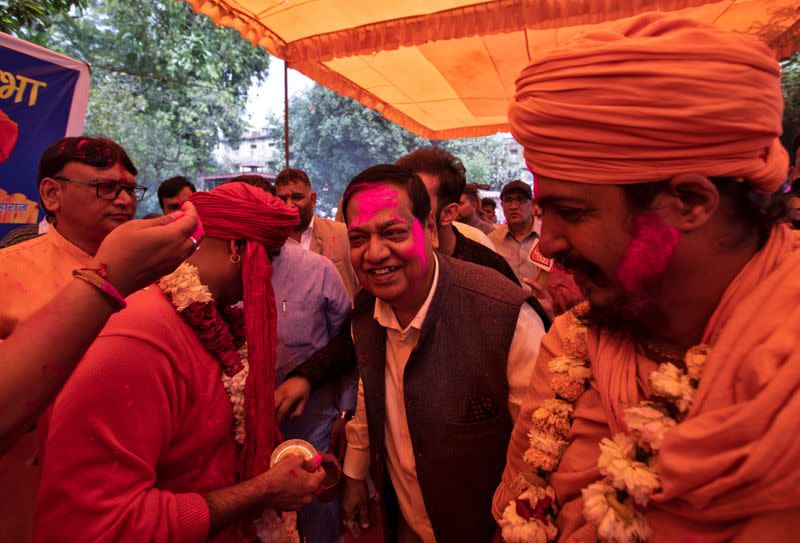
[446, 68]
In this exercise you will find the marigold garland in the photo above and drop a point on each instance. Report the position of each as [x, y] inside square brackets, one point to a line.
[627, 460]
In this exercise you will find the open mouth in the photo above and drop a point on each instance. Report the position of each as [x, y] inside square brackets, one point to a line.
[383, 272]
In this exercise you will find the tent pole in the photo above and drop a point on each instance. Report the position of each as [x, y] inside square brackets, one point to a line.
[286, 111]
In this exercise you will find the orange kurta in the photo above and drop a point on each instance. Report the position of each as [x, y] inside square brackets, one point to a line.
[731, 470]
[31, 274]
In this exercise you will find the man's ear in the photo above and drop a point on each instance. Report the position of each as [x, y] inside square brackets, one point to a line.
[689, 201]
[448, 215]
[50, 192]
[430, 225]
[313, 200]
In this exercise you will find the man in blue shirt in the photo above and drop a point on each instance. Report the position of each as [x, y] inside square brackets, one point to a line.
[312, 304]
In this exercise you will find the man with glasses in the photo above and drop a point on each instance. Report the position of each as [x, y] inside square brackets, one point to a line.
[515, 240]
[88, 185]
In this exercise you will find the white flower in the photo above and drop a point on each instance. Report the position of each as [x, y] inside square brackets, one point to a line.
[695, 360]
[615, 522]
[648, 425]
[618, 462]
[546, 444]
[515, 529]
[671, 383]
[183, 286]
[576, 368]
[234, 386]
[271, 528]
[535, 493]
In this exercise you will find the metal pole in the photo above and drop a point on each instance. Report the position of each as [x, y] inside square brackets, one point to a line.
[286, 111]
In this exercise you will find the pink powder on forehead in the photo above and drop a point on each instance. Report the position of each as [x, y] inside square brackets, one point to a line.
[374, 200]
[648, 253]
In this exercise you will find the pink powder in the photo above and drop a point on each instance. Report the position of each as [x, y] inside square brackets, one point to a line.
[648, 253]
[374, 200]
[562, 288]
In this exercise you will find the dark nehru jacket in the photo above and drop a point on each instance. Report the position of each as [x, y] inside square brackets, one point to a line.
[456, 397]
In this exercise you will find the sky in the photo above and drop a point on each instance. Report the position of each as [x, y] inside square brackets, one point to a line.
[267, 97]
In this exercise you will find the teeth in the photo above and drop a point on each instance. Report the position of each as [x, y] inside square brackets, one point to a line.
[382, 271]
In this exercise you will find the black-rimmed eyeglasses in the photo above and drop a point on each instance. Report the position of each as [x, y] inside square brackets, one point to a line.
[110, 190]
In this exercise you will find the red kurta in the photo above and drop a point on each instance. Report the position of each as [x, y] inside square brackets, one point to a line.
[140, 430]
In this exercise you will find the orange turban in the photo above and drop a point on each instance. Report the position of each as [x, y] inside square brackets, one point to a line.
[241, 211]
[650, 99]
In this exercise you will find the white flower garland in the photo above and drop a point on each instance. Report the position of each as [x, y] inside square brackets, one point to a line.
[627, 461]
[184, 288]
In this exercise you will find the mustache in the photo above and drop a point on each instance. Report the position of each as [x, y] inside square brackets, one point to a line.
[578, 265]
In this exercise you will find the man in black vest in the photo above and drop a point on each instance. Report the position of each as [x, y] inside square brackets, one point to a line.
[445, 351]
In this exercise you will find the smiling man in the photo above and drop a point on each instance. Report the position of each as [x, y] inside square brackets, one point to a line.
[659, 410]
[439, 390]
[89, 186]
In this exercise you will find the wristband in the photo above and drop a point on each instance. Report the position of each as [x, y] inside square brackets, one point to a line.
[97, 278]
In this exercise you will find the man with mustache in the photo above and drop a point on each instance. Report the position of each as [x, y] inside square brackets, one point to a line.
[515, 239]
[659, 409]
[438, 389]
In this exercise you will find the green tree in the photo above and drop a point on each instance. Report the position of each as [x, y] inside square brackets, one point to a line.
[333, 138]
[29, 19]
[791, 93]
[166, 84]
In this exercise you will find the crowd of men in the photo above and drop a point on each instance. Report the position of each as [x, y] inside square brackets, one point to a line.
[431, 353]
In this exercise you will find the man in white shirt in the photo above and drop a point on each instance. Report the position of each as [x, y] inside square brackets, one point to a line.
[316, 234]
[444, 353]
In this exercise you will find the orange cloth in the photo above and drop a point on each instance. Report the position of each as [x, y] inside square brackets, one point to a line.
[31, 274]
[653, 98]
[730, 471]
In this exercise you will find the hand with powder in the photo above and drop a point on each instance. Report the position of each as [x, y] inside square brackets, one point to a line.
[136, 254]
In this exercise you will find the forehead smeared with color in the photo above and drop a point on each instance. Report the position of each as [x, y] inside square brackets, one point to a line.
[366, 201]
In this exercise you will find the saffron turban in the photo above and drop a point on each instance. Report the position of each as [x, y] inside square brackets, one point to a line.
[653, 98]
[8, 136]
[237, 211]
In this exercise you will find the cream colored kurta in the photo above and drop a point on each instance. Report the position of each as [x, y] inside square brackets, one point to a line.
[31, 274]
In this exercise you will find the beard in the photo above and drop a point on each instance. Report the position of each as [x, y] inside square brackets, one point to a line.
[305, 220]
[638, 274]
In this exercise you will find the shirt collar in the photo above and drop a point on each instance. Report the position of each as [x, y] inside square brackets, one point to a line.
[532, 233]
[308, 233]
[67, 246]
[385, 316]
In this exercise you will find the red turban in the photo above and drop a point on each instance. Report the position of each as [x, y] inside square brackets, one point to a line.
[650, 99]
[240, 211]
[8, 136]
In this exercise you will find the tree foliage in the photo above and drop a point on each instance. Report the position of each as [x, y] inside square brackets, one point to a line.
[333, 138]
[166, 84]
[791, 92]
[29, 19]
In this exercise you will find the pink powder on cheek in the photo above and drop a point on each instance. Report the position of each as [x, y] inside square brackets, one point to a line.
[648, 253]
